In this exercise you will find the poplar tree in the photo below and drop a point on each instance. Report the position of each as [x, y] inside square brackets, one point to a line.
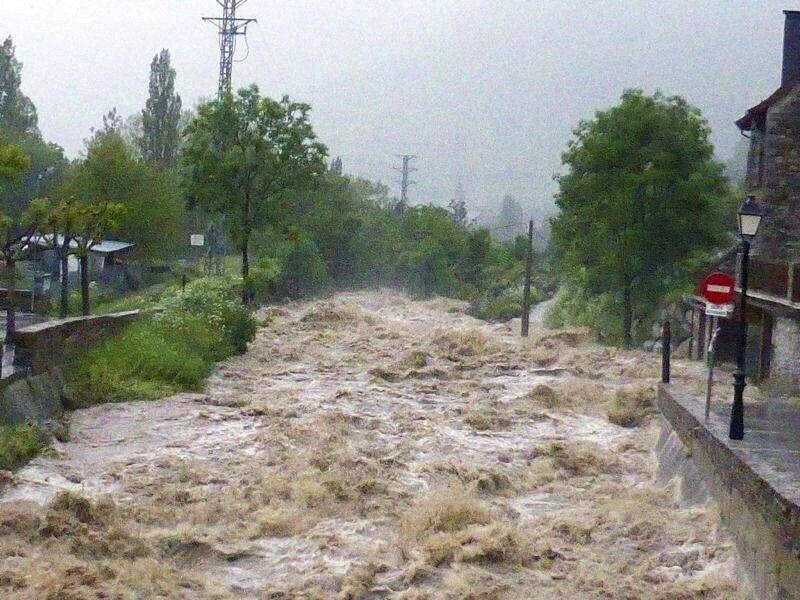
[18, 117]
[160, 136]
[19, 127]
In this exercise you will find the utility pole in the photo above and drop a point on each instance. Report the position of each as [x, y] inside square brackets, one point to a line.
[229, 27]
[405, 181]
[526, 297]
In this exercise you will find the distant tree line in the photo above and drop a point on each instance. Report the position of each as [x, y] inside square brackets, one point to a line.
[298, 223]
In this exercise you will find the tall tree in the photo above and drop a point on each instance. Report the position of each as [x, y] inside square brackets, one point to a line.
[244, 152]
[17, 113]
[91, 222]
[13, 162]
[18, 126]
[161, 117]
[55, 222]
[154, 209]
[642, 194]
[511, 219]
[336, 166]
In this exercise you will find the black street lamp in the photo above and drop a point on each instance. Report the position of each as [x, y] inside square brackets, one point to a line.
[750, 215]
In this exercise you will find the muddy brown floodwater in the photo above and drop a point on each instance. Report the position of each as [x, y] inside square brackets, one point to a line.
[371, 446]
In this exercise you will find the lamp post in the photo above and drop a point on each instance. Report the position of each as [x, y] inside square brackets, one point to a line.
[750, 215]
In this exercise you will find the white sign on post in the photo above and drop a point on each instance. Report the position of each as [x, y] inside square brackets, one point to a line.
[197, 239]
[73, 264]
[719, 310]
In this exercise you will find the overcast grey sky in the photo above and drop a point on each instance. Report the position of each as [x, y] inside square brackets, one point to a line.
[484, 91]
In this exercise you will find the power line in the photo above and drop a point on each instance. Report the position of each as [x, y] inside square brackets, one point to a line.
[229, 27]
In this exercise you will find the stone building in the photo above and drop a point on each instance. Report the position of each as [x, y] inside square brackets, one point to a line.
[773, 176]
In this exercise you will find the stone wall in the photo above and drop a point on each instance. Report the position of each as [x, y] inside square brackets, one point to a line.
[754, 158]
[763, 522]
[22, 300]
[34, 399]
[785, 361]
[43, 352]
[38, 348]
[779, 237]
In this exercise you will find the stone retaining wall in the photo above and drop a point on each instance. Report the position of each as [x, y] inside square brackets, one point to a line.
[38, 348]
[43, 353]
[34, 399]
[763, 521]
[22, 300]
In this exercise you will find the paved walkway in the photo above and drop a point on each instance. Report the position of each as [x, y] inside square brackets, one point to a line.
[771, 441]
[771, 444]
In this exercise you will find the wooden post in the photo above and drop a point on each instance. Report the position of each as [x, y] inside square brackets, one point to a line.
[526, 298]
[666, 349]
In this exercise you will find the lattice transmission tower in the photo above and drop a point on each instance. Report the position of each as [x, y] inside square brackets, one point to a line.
[405, 180]
[230, 27]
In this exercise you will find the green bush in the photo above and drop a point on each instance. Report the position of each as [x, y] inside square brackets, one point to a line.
[216, 302]
[304, 270]
[500, 308]
[168, 351]
[264, 281]
[146, 360]
[19, 444]
[427, 270]
[574, 307]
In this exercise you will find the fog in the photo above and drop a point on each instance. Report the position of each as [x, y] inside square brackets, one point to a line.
[485, 92]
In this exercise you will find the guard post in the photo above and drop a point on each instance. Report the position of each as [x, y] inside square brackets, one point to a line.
[666, 350]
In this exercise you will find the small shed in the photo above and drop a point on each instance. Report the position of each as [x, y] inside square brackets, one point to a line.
[108, 255]
[107, 258]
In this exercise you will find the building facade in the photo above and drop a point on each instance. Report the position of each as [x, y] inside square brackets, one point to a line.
[773, 177]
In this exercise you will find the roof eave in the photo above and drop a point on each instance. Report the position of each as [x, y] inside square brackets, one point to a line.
[745, 123]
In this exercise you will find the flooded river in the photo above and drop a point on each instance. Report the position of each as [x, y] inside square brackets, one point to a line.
[371, 446]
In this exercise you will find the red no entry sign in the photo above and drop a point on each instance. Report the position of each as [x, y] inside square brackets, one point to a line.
[718, 288]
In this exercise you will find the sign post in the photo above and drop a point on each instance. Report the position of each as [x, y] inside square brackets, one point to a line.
[719, 290]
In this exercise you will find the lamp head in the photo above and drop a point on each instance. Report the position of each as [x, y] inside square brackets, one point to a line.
[750, 215]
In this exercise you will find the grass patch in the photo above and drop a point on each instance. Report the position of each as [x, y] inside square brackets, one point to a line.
[164, 353]
[19, 444]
